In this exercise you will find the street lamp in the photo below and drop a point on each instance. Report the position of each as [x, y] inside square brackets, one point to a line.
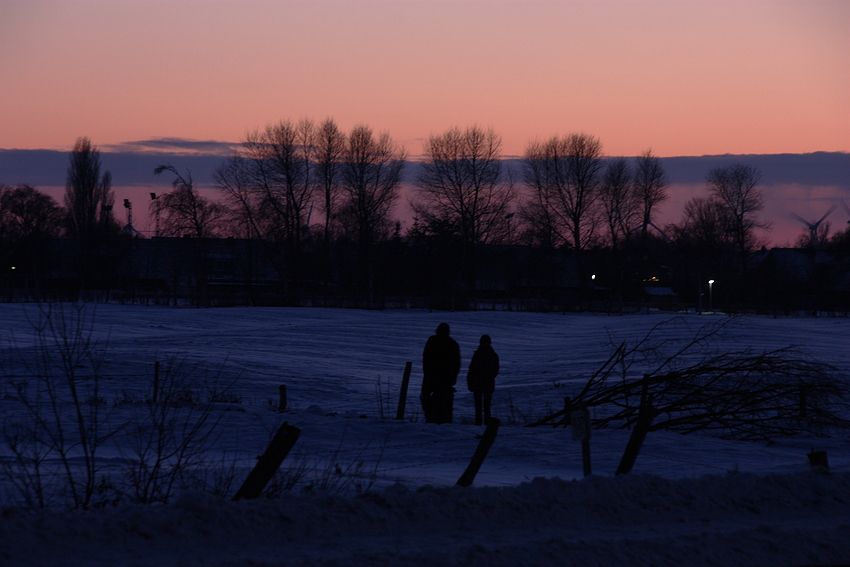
[710, 286]
[10, 286]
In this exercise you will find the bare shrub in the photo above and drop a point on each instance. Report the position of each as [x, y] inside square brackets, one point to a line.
[60, 415]
[287, 479]
[27, 468]
[219, 478]
[174, 433]
[357, 474]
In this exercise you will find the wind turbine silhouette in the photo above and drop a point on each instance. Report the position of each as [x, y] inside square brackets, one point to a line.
[813, 226]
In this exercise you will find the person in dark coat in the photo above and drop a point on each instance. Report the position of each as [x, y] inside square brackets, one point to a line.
[481, 377]
[440, 367]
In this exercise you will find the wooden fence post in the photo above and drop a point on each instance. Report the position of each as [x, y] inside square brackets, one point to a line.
[402, 395]
[580, 423]
[281, 404]
[480, 452]
[268, 462]
[645, 416]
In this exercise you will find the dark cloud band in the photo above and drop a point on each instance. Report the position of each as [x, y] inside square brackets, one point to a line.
[132, 163]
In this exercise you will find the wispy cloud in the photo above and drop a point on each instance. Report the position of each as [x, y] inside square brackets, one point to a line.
[185, 146]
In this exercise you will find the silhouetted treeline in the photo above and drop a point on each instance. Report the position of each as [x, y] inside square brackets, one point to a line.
[305, 219]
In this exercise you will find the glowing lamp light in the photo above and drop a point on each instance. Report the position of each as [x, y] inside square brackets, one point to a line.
[710, 295]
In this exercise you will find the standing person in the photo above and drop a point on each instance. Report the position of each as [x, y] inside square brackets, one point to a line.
[440, 367]
[481, 377]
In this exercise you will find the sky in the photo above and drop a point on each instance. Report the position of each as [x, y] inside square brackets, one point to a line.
[680, 77]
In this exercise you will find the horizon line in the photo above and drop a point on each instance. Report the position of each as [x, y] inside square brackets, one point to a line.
[117, 149]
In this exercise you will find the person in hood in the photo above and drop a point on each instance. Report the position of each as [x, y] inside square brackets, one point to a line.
[440, 367]
[481, 377]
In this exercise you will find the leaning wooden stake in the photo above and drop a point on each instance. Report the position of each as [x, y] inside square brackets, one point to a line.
[402, 396]
[269, 462]
[644, 421]
[480, 453]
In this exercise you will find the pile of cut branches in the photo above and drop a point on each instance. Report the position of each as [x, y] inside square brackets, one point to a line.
[739, 395]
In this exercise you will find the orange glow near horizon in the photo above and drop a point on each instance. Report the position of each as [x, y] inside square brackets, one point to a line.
[681, 77]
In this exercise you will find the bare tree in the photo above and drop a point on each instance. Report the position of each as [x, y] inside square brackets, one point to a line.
[564, 174]
[538, 228]
[371, 177]
[27, 220]
[306, 136]
[186, 213]
[464, 191]
[263, 184]
[618, 202]
[705, 225]
[26, 214]
[649, 187]
[271, 182]
[234, 180]
[88, 194]
[329, 148]
[463, 185]
[735, 187]
[286, 178]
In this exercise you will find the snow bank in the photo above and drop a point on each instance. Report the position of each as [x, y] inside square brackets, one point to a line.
[718, 520]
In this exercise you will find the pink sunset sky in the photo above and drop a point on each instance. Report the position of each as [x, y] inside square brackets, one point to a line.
[682, 77]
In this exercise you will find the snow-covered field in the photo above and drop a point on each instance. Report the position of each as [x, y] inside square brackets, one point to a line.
[759, 504]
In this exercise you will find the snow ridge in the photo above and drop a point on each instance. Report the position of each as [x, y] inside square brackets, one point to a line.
[713, 520]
